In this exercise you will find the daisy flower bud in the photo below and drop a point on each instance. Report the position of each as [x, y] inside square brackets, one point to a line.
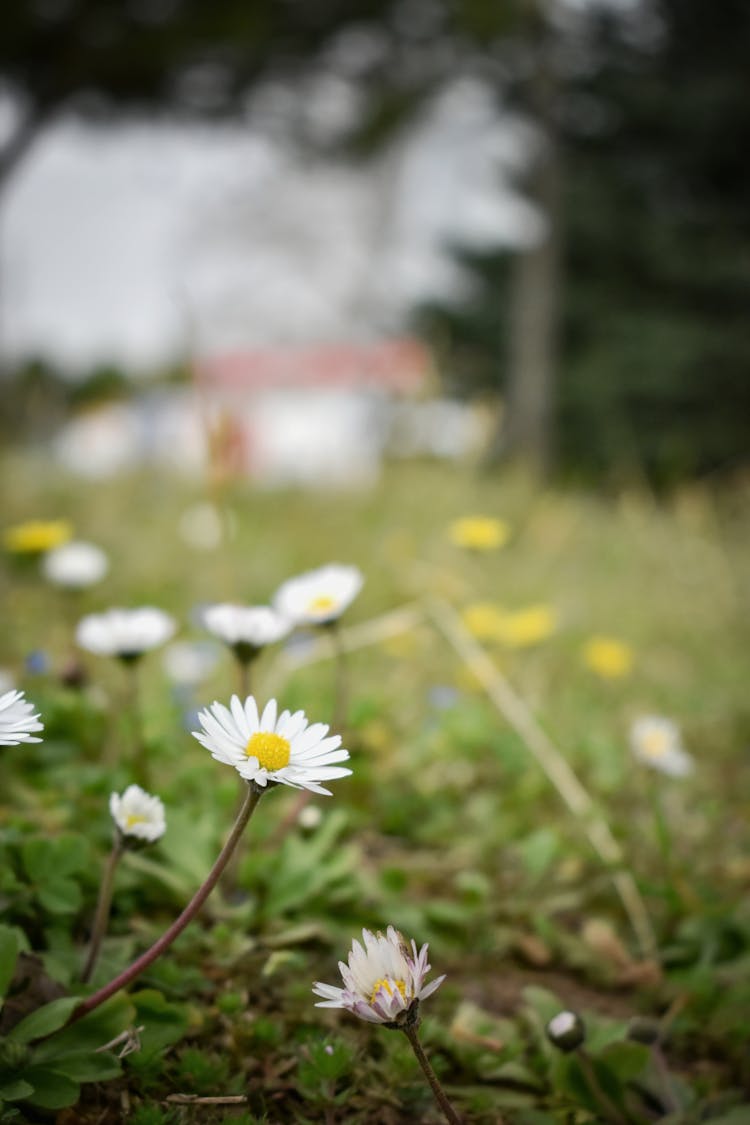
[566, 1031]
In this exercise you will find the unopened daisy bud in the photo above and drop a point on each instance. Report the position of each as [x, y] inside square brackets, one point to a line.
[138, 815]
[566, 1031]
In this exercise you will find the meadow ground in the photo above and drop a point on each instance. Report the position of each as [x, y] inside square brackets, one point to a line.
[456, 825]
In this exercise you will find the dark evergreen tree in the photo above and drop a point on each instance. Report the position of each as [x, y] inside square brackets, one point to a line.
[654, 123]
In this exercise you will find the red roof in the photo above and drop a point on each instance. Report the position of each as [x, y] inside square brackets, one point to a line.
[396, 365]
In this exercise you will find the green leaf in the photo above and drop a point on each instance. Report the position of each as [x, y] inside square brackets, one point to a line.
[88, 1034]
[626, 1059]
[63, 896]
[539, 850]
[51, 1090]
[165, 1023]
[39, 860]
[15, 1090]
[88, 1066]
[8, 956]
[44, 1020]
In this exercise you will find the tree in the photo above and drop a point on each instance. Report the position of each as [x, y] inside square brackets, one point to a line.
[654, 121]
[190, 58]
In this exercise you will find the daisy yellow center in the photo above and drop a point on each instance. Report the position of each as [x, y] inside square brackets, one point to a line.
[134, 818]
[655, 744]
[322, 603]
[272, 751]
[389, 985]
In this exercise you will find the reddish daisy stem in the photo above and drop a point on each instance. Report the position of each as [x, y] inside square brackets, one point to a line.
[449, 1112]
[137, 967]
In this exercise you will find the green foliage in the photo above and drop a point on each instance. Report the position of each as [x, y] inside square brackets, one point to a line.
[325, 1072]
[50, 865]
[8, 955]
[448, 828]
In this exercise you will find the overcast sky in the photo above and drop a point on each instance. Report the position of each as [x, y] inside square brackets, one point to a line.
[138, 243]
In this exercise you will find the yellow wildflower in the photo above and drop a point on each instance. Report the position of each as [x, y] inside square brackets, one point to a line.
[519, 629]
[479, 533]
[37, 536]
[484, 620]
[608, 658]
[527, 627]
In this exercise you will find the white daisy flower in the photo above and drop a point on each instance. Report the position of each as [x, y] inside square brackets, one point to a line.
[383, 980]
[319, 597]
[75, 565]
[657, 742]
[246, 629]
[17, 719]
[269, 748]
[126, 633]
[138, 814]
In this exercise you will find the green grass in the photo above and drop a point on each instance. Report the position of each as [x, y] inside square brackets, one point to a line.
[447, 828]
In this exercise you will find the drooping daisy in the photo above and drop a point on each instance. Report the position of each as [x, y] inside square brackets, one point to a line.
[75, 565]
[657, 742]
[138, 814]
[383, 981]
[126, 633]
[17, 719]
[318, 597]
[246, 629]
[36, 536]
[270, 747]
[608, 658]
[479, 533]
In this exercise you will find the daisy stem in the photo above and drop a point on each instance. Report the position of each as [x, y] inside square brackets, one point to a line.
[244, 679]
[412, 1035]
[341, 684]
[662, 830]
[134, 708]
[141, 963]
[101, 917]
[610, 1111]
